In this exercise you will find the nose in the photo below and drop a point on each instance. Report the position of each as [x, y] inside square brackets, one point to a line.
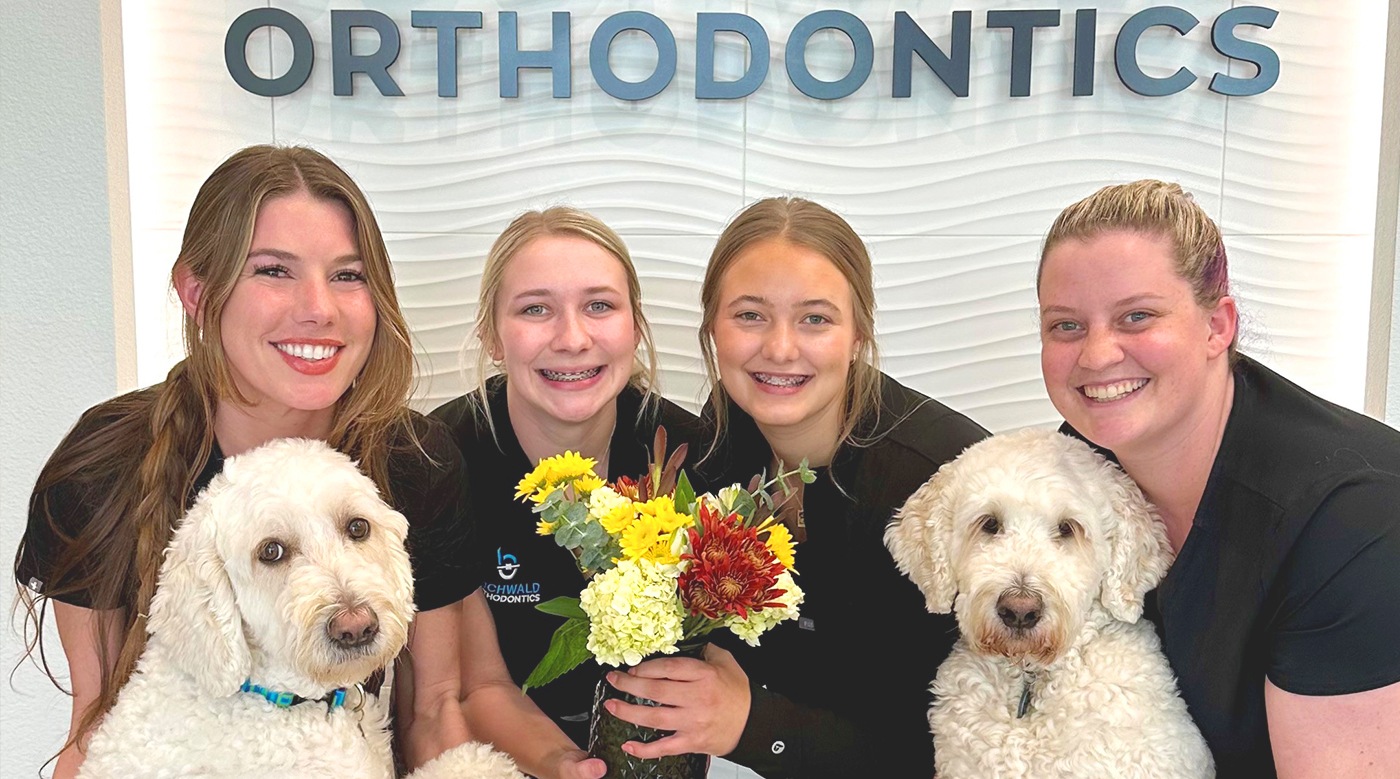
[315, 301]
[572, 335]
[1019, 610]
[780, 345]
[353, 627]
[1099, 349]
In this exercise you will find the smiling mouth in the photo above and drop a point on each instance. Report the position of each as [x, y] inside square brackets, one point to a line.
[1107, 393]
[309, 352]
[582, 375]
[776, 380]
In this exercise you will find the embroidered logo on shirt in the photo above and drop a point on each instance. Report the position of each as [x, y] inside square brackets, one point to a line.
[506, 565]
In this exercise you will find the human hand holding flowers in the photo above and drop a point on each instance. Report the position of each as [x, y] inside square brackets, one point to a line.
[703, 703]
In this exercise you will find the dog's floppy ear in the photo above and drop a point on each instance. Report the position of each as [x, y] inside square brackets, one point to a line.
[918, 540]
[1139, 553]
[194, 614]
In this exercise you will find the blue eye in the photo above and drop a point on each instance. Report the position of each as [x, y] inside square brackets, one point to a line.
[747, 316]
[348, 275]
[599, 307]
[815, 319]
[1064, 327]
[533, 310]
[1136, 317]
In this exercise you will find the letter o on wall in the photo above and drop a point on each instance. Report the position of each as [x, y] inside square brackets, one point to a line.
[235, 52]
[796, 55]
[599, 47]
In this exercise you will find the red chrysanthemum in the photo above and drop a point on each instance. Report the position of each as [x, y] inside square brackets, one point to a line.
[731, 571]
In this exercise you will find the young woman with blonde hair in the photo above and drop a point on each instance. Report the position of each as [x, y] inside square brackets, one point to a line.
[788, 334]
[1278, 613]
[559, 324]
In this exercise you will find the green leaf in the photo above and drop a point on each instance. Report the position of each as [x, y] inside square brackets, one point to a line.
[567, 650]
[745, 506]
[577, 512]
[562, 606]
[568, 535]
[685, 494]
[594, 534]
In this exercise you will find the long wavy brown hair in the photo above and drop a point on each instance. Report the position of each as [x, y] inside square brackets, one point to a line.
[134, 460]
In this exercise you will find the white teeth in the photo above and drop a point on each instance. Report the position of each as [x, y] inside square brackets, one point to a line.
[781, 381]
[1109, 392]
[570, 375]
[309, 352]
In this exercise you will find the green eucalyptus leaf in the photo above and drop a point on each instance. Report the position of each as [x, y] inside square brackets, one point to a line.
[568, 535]
[745, 506]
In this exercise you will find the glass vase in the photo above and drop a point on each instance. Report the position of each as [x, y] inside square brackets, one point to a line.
[607, 734]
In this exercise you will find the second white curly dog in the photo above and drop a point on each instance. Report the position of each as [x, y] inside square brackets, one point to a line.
[288, 575]
[1044, 551]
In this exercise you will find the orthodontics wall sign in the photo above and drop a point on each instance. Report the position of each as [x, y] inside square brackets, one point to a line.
[949, 59]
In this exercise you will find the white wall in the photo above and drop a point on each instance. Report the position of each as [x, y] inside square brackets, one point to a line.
[56, 300]
[953, 194]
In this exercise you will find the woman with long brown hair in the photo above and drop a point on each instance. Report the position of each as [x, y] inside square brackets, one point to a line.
[788, 334]
[292, 328]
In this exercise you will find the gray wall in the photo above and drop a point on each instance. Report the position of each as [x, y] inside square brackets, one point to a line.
[57, 345]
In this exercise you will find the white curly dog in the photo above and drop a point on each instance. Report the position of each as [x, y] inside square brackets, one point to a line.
[287, 580]
[1044, 551]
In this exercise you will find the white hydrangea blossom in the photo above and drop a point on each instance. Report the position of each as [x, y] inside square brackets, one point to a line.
[761, 621]
[633, 611]
[604, 500]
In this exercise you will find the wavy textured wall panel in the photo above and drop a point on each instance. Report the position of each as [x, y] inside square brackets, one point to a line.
[952, 194]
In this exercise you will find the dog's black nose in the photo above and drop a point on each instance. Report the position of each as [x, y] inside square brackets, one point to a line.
[1019, 610]
[353, 627]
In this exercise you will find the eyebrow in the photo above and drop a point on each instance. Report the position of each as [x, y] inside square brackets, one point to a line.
[544, 292]
[1125, 302]
[287, 256]
[762, 301]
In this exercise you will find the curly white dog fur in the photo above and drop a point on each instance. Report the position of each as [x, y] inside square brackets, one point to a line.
[1044, 551]
[289, 572]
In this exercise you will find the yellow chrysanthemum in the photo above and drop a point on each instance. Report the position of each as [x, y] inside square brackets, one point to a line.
[532, 481]
[587, 483]
[615, 512]
[553, 472]
[569, 466]
[663, 509]
[649, 539]
[780, 543]
[545, 528]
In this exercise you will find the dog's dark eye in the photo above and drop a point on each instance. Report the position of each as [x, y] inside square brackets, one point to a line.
[1066, 528]
[990, 524]
[357, 529]
[272, 551]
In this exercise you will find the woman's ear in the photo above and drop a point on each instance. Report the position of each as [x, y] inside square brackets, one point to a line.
[1224, 322]
[191, 291]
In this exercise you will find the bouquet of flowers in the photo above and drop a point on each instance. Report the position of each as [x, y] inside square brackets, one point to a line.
[664, 566]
